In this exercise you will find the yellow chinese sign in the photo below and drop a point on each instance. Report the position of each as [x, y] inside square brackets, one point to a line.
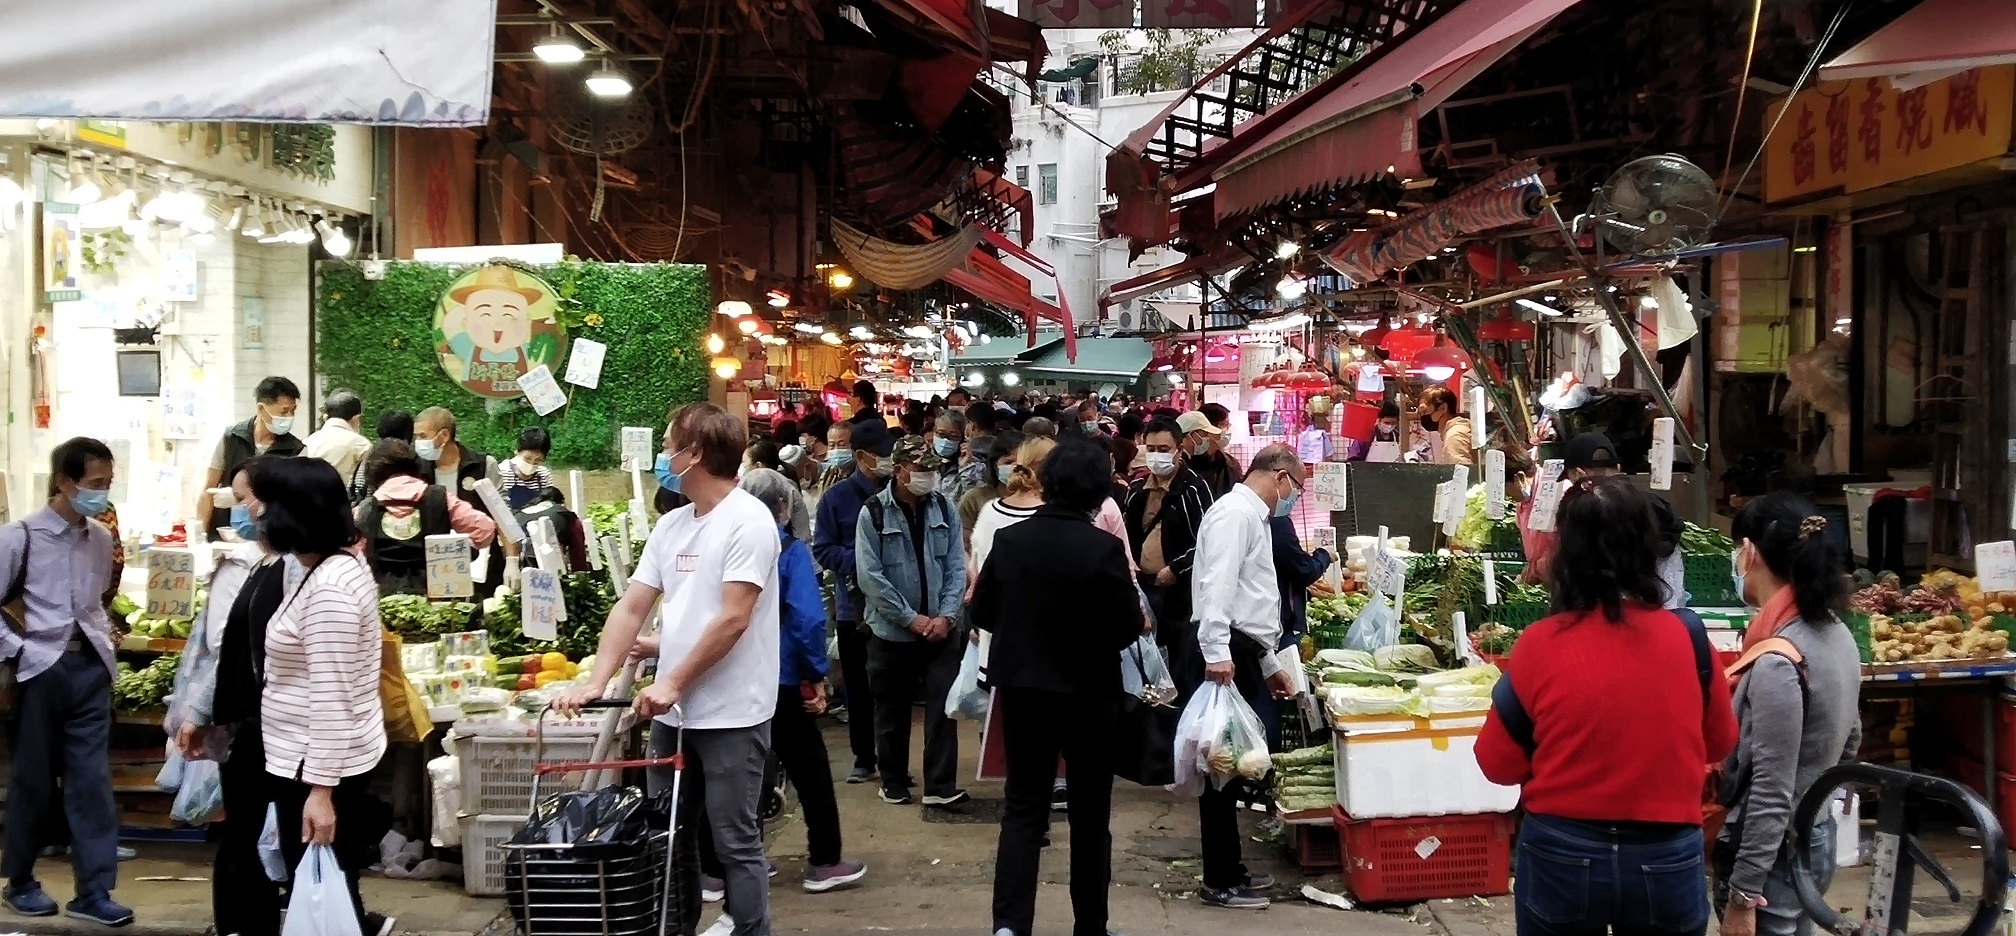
[1856, 135]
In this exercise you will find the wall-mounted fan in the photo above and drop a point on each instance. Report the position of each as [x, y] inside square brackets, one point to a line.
[1655, 205]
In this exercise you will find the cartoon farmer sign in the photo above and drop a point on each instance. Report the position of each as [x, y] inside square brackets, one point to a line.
[494, 324]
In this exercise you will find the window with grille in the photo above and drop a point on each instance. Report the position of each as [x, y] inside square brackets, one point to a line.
[1022, 176]
[1046, 184]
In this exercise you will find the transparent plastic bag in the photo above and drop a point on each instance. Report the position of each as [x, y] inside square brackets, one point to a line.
[1376, 627]
[1144, 674]
[967, 700]
[1239, 750]
[1201, 721]
[201, 795]
[319, 903]
[269, 847]
[169, 779]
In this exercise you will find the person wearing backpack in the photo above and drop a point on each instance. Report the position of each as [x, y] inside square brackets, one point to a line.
[1607, 719]
[403, 510]
[912, 572]
[1796, 693]
[552, 505]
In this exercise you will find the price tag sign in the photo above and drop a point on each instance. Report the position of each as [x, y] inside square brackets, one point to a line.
[637, 449]
[1490, 582]
[1494, 484]
[1662, 454]
[1331, 485]
[1459, 480]
[448, 566]
[541, 390]
[1452, 515]
[507, 524]
[1326, 538]
[171, 584]
[584, 362]
[1387, 573]
[1459, 624]
[1548, 502]
[1995, 564]
[1478, 402]
[1443, 497]
[543, 607]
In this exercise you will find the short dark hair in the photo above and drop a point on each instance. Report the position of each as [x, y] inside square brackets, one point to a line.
[1789, 534]
[343, 404]
[273, 389]
[913, 422]
[1130, 425]
[535, 439]
[1077, 476]
[1608, 550]
[1439, 395]
[72, 458]
[763, 454]
[715, 436]
[983, 418]
[962, 391]
[1163, 424]
[864, 391]
[307, 507]
[442, 417]
[787, 432]
[391, 458]
[1216, 412]
[395, 424]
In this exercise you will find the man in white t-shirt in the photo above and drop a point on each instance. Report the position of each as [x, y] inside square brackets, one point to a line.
[713, 565]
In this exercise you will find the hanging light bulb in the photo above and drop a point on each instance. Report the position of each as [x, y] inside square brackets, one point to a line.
[715, 345]
[746, 326]
[840, 279]
[556, 49]
[830, 337]
[726, 367]
[334, 240]
[733, 308]
[607, 82]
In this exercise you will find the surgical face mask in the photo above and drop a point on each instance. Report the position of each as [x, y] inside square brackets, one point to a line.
[280, 425]
[243, 524]
[427, 449]
[1200, 448]
[1090, 428]
[1286, 504]
[663, 469]
[1430, 423]
[1736, 573]
[839, 458]
[883, 468]
[946, 448]
[91, 503]
[1162, 464]
[921, 482]
[1004, 472]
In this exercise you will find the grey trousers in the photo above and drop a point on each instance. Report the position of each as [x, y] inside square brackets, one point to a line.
[65, 726]
[723, 786]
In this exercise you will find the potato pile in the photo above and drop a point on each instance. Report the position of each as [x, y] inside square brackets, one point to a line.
[1945, 637]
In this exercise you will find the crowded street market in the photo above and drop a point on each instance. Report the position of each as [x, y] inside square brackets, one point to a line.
[1486, 467]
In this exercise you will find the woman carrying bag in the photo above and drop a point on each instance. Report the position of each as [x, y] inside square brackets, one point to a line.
[1796, 694]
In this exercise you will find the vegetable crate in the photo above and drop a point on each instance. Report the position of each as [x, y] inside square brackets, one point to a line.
[483, 839]
[1708, 582]
[1513, 614]
[1410, 860]
[1317, 848]
[497, 771]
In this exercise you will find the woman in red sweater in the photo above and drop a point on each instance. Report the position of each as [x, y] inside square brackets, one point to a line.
[1608, 716]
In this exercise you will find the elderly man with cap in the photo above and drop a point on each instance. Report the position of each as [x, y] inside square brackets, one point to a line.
[868, 445]
[912, 571]
[1204, 453]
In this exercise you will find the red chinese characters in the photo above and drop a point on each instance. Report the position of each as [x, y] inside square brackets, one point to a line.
[1964, 108]
[1870, 130]
[1803, 159]
[1837, 134]
[1914, 126]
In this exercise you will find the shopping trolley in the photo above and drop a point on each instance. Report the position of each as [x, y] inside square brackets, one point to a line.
[553, 891]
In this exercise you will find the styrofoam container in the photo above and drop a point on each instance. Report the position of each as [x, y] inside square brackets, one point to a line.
[1400, 766]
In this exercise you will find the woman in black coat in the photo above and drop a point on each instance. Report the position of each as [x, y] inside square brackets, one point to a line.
[1055, 663]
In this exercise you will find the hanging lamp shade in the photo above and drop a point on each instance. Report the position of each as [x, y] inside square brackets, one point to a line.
[1441, 363]
[1505, 326]
[1373, 338]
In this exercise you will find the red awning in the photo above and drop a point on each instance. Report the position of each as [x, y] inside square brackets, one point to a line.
[993, 281]
[1014, 197]
[1004, 38]
[1367, 125]
[1935, 39]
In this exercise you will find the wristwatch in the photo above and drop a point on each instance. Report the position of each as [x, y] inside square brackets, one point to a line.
[1743, 901]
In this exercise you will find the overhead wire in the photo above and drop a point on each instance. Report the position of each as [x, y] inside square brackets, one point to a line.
[1805, 75]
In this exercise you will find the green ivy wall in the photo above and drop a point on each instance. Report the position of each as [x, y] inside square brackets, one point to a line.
[377, 338]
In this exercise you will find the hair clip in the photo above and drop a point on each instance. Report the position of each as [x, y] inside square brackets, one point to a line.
[1812, 525]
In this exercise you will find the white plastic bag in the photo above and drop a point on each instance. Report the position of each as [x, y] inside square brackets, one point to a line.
[320, 903]
[169, 779]
[201, 796]
[1144, 674]
[967, 700]
[1219, 739]
[269, 847]
[1376, 627]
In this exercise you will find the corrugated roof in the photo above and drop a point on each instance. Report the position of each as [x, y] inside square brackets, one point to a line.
[1000, 351]
[1097, 357]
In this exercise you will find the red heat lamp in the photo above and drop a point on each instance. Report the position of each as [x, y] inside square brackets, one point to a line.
[1217, 353]
[1309, 379]
[1162, 365]
[1440, 364]
[1505, 326]
[1374, 338]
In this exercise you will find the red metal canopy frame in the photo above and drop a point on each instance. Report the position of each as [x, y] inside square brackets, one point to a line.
[1936, 38]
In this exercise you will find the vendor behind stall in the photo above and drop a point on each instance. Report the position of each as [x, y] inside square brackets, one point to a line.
[1591, 455]
[1437, 412]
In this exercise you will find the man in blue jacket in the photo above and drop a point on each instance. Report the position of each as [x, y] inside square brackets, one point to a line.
[833, 546]
[913, 573]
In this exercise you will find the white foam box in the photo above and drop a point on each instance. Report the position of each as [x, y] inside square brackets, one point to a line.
[1402, 766]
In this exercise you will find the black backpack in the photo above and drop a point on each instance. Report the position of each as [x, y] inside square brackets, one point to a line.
[565, 524]
[400, 565]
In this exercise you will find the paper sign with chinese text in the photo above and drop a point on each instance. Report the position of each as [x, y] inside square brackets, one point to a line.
[542, 604]
[584, 366]
[171, 584]
[1996, 563]
[638, 452]
[1862, 134]
[1331, 485]
[448, 566]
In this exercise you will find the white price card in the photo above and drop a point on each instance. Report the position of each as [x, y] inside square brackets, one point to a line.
[1325, 537]
[1494, 484]
[500, 511]
[1331, 485]
[1478, 434]
[1459, 624]
[1452, 515]
[638, 452]
[448, 566]
[1440, 512]
[1548, 501]
[1490, 582]
[1387, 573]
[1995, 566]
[543, 607]
[1460, 480]
[1662, 453]
[584, 362]
[171, 583]
[541, 390]
[1333, 574]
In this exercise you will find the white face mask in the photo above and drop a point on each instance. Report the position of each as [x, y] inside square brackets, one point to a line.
[281, 425]
[427, 449]
[1162, 464]
[921, 483]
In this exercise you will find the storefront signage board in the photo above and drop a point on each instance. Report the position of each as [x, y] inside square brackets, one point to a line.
[493, 324]
[1853, 136]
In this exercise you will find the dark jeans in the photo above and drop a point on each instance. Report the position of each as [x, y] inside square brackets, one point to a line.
[801, 751]
[1036, 727]
[243, 900]
[64, 726]
[894, 671]
[1584, 879]
[1783, 913]
[860, 697]
[1218, 810]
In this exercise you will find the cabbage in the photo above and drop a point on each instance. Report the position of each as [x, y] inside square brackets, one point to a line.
[1374, 700]
[1357, 660]
[1458, 691]
[1445, 705]
[1486, 676]
[1405, 658]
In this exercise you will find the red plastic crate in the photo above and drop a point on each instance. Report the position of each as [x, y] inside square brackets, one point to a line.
[1471, 856]
[1316, 848]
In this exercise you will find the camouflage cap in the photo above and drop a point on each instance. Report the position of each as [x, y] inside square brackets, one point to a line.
[915, 450]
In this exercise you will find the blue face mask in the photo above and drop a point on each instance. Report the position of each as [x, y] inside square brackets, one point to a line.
[946, 448]
[663, 469]
[1004, 472]
[1736, 573]
[243, 524]
[1286, 505]
[91, 503]
[839, 458]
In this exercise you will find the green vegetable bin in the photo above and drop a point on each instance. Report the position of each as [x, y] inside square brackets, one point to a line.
[1709, 583]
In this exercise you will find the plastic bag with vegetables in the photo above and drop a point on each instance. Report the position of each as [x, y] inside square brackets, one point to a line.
[1218, 738]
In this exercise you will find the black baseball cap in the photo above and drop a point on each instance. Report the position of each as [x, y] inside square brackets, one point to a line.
[873, 437]
[1590, 450]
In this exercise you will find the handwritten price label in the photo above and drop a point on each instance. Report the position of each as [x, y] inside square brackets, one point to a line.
[543, 607]
[448, 566]
[171, 584]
